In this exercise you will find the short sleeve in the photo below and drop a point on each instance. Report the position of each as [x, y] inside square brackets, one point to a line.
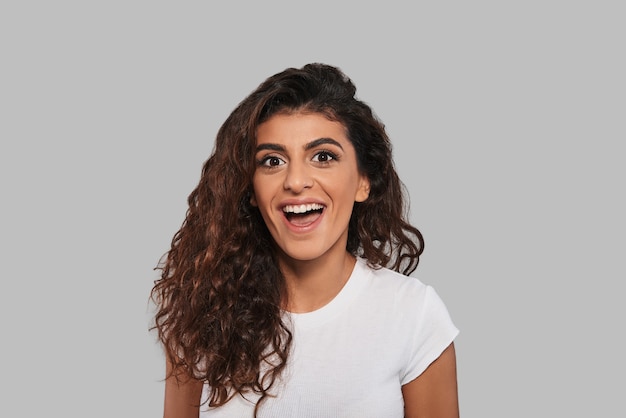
[432, 331]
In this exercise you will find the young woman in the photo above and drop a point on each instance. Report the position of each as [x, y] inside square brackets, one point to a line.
[286, 292]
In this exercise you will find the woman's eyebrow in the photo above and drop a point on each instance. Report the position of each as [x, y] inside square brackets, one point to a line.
[271, 147]
[308, 146]
[322, 141]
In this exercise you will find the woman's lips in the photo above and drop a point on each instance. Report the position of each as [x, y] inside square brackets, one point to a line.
[303, 219]
[303, 216]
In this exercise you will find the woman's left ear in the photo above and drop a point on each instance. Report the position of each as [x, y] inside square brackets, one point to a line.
[363, 191]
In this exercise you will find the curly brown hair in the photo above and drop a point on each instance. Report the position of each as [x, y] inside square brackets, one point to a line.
[220, 293]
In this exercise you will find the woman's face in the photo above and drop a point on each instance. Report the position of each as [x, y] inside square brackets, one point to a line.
[305, 184]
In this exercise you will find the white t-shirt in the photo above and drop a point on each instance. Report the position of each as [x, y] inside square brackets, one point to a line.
[351, 357]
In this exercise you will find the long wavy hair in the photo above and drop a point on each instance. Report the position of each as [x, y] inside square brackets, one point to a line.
[220, 292]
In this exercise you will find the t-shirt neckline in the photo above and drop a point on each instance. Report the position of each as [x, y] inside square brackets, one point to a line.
[348, 292]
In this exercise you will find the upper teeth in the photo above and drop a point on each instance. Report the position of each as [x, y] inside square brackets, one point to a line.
[302, 208]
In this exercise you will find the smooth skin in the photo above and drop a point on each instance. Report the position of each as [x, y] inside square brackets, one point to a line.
[307, 159]
[433, 394]
[182, 396]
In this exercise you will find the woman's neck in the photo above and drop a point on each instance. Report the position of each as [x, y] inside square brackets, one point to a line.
[313, 284]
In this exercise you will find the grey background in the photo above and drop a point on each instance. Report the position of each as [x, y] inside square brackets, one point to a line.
[507, 120]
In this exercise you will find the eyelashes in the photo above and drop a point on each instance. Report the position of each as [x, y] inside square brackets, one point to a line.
[270, 161]
[322, 157]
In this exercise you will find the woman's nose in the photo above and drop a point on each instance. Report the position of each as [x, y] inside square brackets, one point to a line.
[297, 178]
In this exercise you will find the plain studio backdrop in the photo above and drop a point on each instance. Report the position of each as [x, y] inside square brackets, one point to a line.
[508, 124]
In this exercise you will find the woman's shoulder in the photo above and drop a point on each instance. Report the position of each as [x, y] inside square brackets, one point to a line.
[403, 300]
[387, 280]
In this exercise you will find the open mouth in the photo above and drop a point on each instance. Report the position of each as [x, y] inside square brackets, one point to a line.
[302, 215]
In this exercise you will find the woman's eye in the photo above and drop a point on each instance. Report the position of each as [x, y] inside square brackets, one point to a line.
[271, 161]
[324, 157]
